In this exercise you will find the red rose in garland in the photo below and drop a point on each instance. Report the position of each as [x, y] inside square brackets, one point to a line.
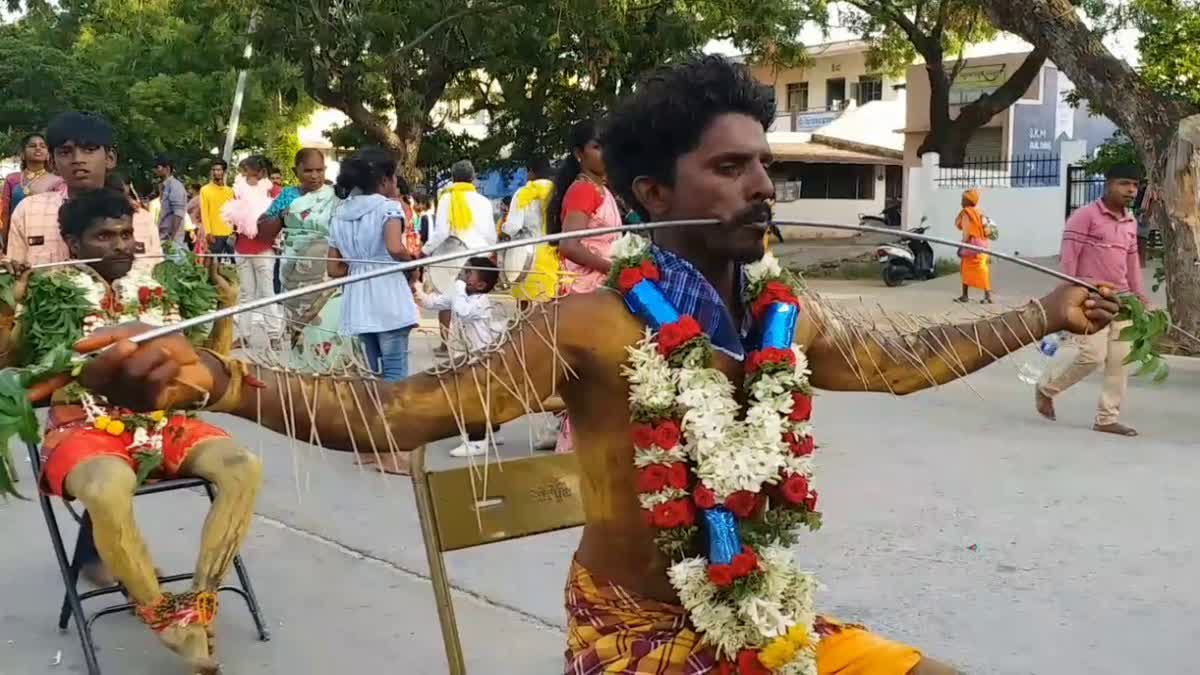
[721, 575]
[772, 293]
[158, 292]
[801, 407]
[643, 435]
[629, 277]
[811, 502]
[745, 562]
[748, 663]
[800, 447]
[704, 497]
[648, 270]
[666, 435]
[795, 489]
[676, 513]
[743, 503]
[144, 295]
[677, 476]
[675, 335]
[770, 356]
[652, 478]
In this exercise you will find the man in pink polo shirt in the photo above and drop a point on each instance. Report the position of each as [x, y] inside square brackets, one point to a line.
[1100, 246]
[81, 146]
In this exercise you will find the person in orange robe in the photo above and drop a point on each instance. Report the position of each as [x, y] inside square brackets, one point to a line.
[975, 267]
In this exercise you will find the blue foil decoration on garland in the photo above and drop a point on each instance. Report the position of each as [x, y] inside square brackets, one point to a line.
[779, 326]
[724, 542]
[647, 302]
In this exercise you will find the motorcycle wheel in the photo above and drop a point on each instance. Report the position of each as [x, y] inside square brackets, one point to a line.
[893, 275]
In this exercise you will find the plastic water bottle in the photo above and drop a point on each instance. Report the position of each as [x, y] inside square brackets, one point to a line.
[1031, 371]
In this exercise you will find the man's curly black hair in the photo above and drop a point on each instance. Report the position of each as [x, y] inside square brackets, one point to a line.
[79, 213]
[665, 117]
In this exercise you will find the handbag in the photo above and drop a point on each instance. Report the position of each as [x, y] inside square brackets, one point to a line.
[968, 254]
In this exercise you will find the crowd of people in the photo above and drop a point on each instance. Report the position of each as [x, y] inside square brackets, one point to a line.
[688, 144]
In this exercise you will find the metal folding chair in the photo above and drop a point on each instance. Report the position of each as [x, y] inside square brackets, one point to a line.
[526, 496]
[72, 604]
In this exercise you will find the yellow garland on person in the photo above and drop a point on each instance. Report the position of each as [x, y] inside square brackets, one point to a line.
[783, 649]
[460, 209]
[535, 189]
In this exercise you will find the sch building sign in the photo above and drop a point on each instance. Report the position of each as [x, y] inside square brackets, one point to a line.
[975, 82]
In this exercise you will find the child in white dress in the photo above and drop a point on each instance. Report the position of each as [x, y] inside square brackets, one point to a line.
[475, 325]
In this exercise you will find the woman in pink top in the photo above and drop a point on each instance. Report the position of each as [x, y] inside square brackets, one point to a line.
[582, 202]
[255, 264]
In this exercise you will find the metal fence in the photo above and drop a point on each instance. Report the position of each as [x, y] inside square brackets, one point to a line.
[1016, 171]
[1082, 188]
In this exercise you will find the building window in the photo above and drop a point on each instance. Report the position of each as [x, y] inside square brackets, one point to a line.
[869, 88]
[835, 93]
[797, 97]
[824, 181]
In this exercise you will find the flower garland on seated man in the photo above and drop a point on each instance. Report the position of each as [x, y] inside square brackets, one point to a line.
[65, 305]
[727, 488]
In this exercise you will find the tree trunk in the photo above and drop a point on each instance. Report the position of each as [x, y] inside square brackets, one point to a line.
[1180, 223]
[949, 136]
[1150, 119]
[1109, 84]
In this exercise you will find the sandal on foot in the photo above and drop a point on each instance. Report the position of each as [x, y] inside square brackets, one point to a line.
[1044, 405]
[1116, 429]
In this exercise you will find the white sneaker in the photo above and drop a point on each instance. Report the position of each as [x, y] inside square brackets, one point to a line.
[470, 449]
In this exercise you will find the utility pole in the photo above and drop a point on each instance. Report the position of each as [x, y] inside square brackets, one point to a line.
[239, 93]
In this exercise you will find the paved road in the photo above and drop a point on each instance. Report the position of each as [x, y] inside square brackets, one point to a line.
[954, 520]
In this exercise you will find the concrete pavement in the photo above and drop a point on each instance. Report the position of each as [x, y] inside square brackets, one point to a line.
[961, 523]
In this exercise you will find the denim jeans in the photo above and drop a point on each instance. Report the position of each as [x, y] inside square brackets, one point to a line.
[387, 353]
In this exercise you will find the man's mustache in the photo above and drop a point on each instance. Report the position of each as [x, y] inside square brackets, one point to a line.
[758, 212]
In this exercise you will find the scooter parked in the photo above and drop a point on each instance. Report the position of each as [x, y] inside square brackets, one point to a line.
[908, 259]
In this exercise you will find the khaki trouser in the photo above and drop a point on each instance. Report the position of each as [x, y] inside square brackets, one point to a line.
[1103, 348]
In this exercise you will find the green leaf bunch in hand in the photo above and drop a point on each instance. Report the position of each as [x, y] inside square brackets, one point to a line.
[1145, 329]
[16, 410]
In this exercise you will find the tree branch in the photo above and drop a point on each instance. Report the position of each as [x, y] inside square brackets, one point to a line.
[1109, 84]
[979, 111]
[962, 49]
[889, 12]
[940, 24]
[437, 25]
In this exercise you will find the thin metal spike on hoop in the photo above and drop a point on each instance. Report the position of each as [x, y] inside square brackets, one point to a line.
[563, 236]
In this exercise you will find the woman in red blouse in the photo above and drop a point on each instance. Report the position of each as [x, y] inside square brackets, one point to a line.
[583, 202]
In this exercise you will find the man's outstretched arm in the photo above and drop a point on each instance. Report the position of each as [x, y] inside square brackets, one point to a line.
[347, 413]
[846, 354]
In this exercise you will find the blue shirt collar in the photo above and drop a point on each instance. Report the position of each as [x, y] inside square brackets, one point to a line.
[692, 294]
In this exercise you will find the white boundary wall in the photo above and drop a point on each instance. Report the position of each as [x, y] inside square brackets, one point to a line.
[1030, 218]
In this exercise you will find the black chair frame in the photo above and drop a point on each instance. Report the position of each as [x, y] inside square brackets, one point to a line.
[72, 604]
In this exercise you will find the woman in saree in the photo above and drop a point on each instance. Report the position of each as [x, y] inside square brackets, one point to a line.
[975, 268]
[303, 212]
[34, 178]
[582, 201]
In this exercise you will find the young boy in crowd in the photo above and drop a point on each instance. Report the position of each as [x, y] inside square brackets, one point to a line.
[475, 325]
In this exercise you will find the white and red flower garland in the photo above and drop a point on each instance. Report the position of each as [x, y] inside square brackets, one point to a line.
[135, 297]
[695, 450]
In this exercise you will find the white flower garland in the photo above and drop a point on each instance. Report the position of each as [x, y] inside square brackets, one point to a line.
[125, 291]
[728, 455]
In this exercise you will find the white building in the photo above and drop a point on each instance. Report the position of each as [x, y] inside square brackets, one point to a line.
[836, 141]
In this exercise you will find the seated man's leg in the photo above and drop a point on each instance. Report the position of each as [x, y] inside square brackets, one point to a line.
[105, 485]
[237, 475]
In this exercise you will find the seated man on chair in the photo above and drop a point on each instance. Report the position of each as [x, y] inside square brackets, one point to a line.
[95, 452]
